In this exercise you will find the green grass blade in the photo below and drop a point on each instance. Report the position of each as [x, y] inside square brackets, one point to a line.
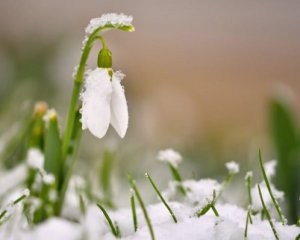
[286, 139]
[133, 209]
[112, 227]
[177, 177]
[161, 197]
[53, 161]
[269, 189]
[105, 174]
[267, 213]
[140, 200]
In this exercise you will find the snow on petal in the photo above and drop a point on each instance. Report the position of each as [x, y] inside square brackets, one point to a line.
[119, 109]
[96, 100]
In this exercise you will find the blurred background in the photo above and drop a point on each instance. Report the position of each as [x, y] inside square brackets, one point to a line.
[200, 74]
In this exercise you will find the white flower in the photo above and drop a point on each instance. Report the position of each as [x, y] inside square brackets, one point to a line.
[169, 156]
[270, 168]
[232, 167]
[109, 19]
[104, 103]
[35, 158]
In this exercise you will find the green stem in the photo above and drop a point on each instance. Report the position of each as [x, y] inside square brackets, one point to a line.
[139, 198]
[248, 180]
[161, 197]
[267, 213]
[269, 189]
[112, 227]
[133, 209]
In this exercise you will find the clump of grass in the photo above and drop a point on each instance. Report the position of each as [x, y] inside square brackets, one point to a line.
[267, 213]
[270, 190]
[210, 205]
[114, 228]
[133, 209]
[161, 197]
[140, 200]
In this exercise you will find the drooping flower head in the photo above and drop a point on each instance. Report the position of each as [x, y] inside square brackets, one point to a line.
[104, 102]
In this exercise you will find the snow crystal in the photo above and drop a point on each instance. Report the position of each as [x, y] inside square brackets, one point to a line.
[35, 158]
[169, 156]
[26, 192]
[109, 19]
[232, 167]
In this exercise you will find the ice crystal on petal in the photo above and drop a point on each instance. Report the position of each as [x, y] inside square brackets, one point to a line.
[109, 19]
[232, 167]
[169, 156]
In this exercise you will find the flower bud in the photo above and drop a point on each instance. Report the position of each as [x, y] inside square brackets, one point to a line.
[104, 58]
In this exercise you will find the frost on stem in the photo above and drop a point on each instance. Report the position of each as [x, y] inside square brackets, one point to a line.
[170, 156]
[104, 103]
[114, 19]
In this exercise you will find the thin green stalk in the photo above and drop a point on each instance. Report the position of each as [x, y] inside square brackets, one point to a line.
[112, 226]
[248, 219]
[267, 213]
[177, 177]
[248, 183]
[269, 189]
[139, 198]
[133, 209]
[215, 210]
[161, 197]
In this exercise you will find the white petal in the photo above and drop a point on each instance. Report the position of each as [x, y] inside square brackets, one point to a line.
[119, 110]
[96, 102]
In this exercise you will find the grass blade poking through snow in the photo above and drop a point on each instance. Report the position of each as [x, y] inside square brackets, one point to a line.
[177, 177]
[267, 213]
[248, 219]
[113, 228]
[133, 209]
[139, 198]
[210, 205]
[161, 197]
[248, 179]
[269, 188]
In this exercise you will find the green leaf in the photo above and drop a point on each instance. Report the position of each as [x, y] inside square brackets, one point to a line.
[105, 174]
[285, 135]
[53, 163]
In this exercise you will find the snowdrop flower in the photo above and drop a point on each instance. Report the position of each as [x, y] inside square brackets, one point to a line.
[232, 167]
[104, 103]
[169, 156]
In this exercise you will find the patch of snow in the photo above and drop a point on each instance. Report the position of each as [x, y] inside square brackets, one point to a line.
[232, 167]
